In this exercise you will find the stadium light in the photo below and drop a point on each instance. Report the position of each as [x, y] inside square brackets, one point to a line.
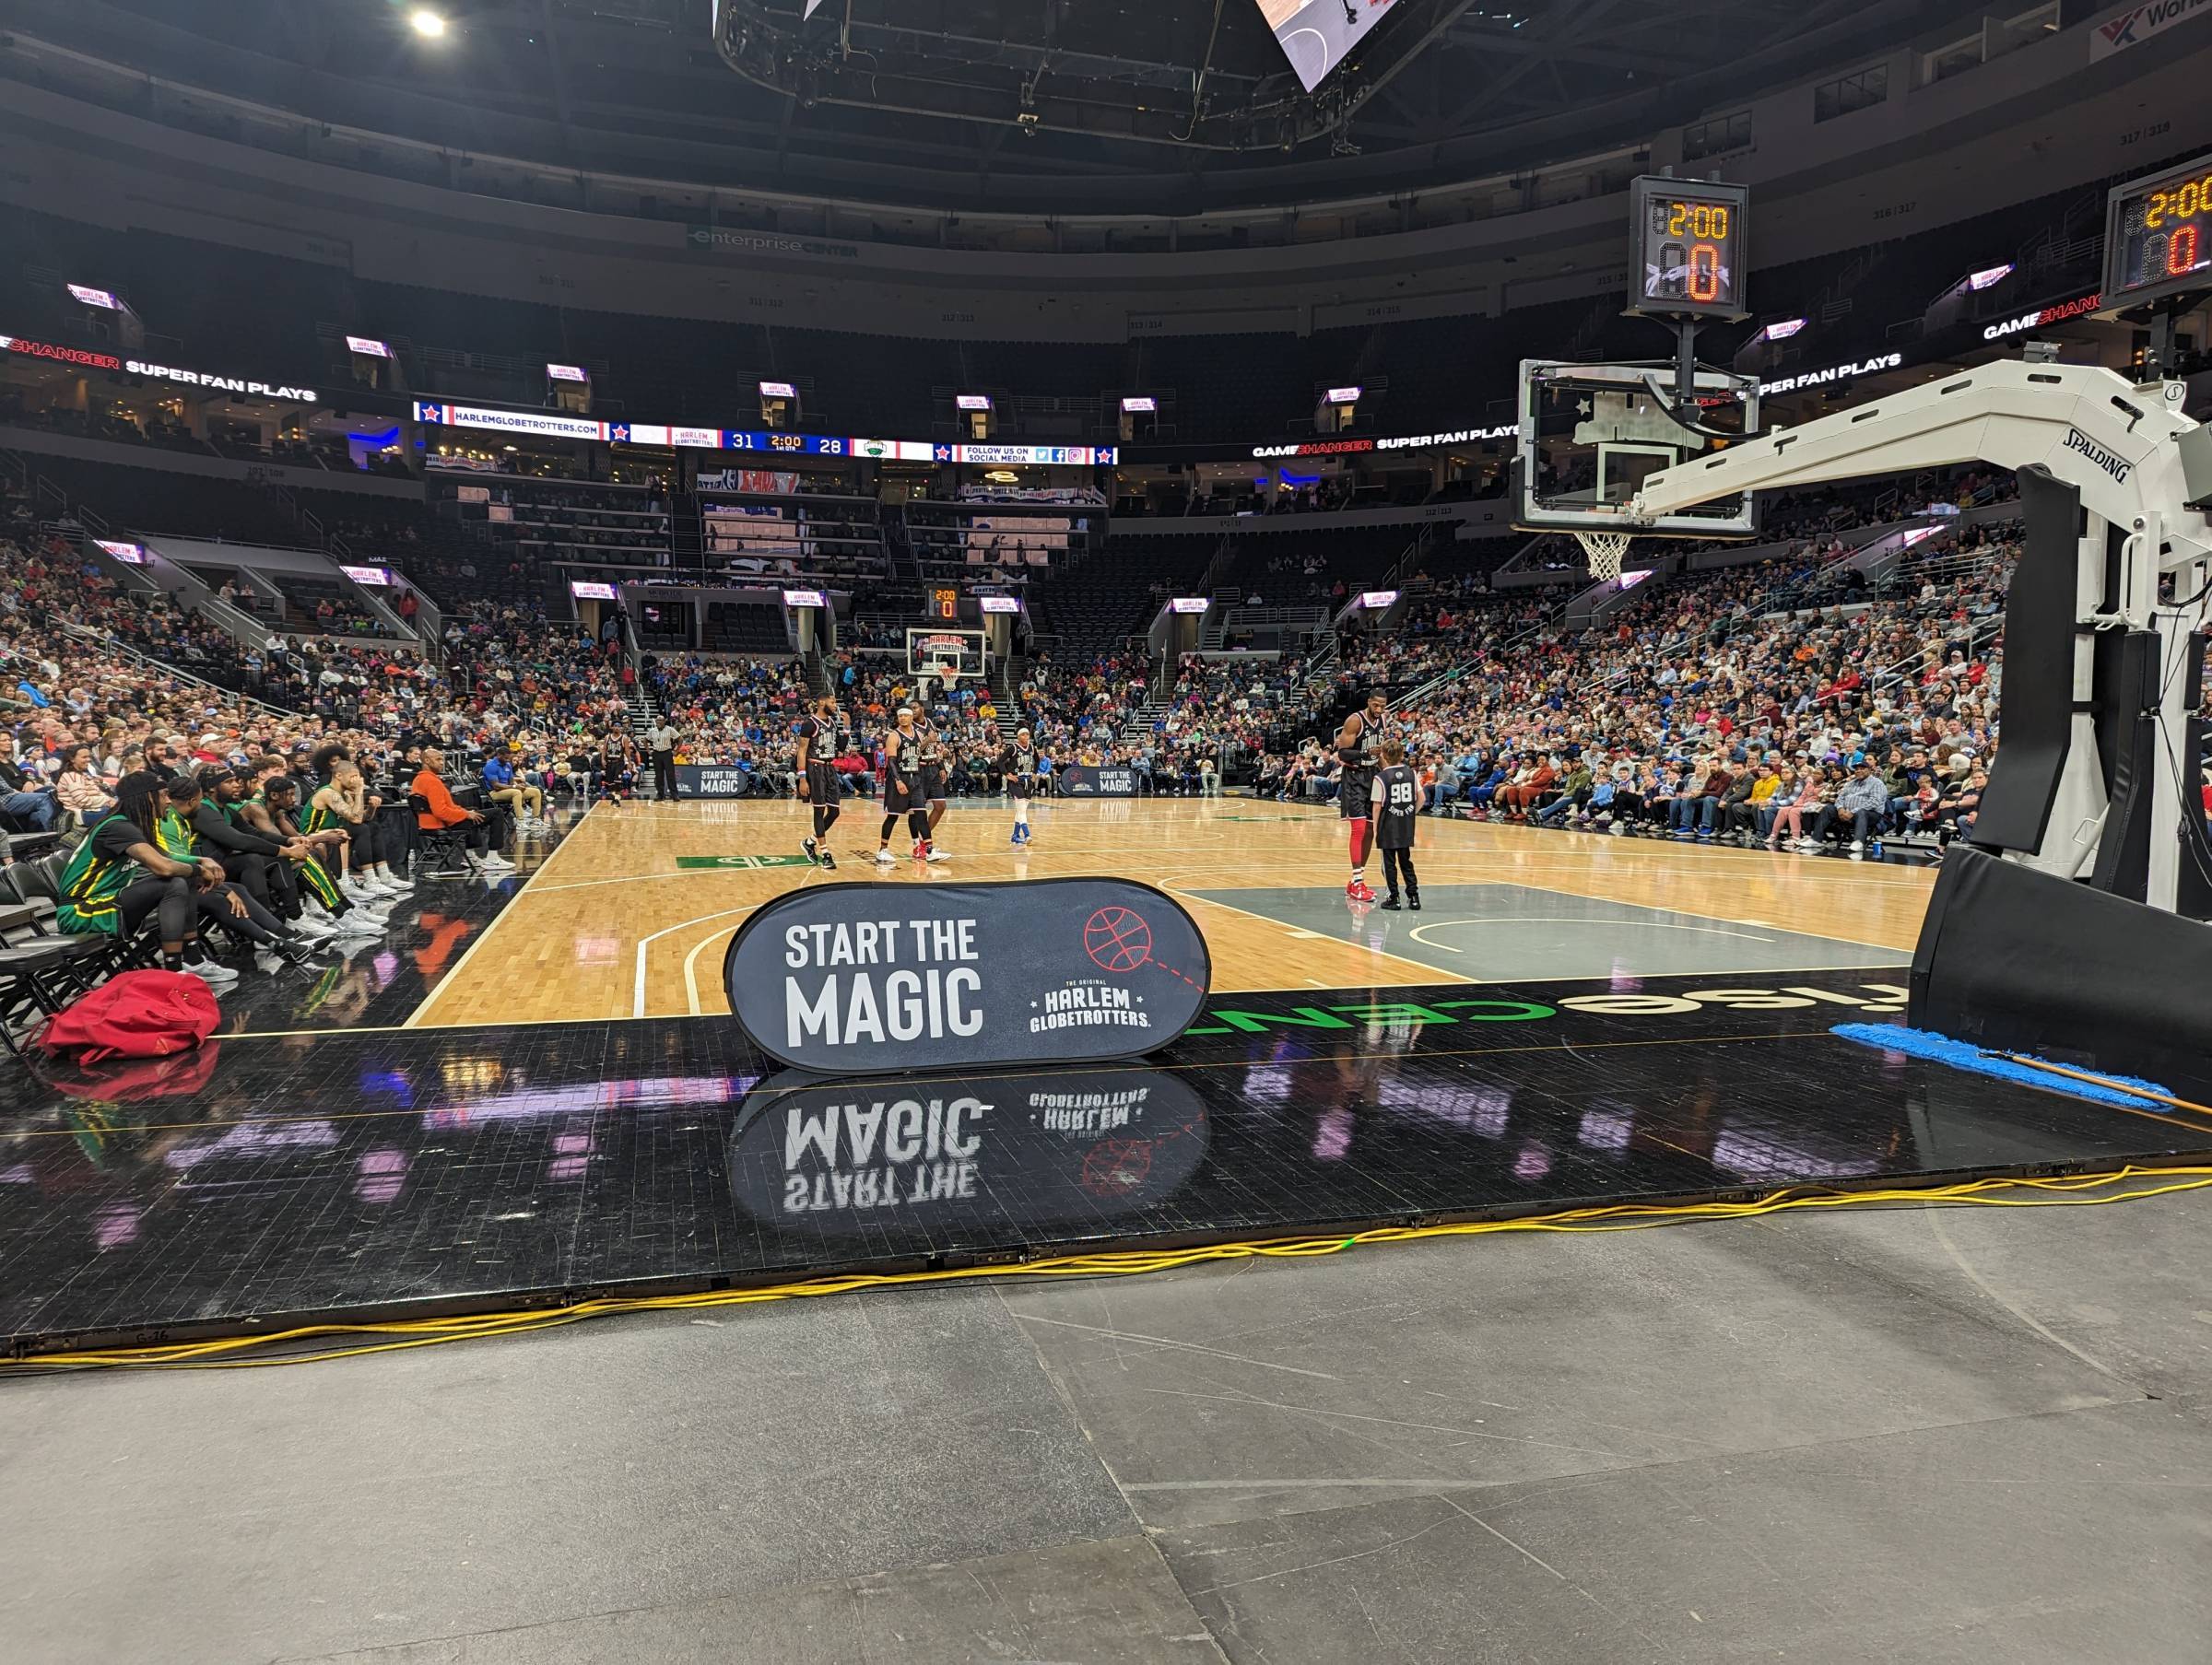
[427, 23]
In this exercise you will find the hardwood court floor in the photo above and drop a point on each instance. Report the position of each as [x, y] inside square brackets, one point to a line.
[611, 926]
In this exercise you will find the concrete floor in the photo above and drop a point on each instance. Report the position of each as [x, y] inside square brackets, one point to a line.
[1940, 1436]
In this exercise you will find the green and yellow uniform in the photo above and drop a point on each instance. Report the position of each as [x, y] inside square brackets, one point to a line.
[312, 874]
[173, 835]
[97, 872]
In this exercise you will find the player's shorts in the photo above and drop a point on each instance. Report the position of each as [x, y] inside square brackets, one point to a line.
[822, 783]
[933, 784]
[1354, 787]
[897, 797]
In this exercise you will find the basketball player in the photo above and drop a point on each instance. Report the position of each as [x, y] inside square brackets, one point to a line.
[934, 766]
[818, 784]
[1395, 800]
[902, 788]
[1354, 784]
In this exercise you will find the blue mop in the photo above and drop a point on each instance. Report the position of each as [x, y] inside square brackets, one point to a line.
[2125, 1090]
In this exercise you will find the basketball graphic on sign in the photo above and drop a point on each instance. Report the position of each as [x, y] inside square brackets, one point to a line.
[1117, 938]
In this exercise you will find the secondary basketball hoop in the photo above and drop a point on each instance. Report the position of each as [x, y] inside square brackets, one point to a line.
[945, 655]
[1591, 434]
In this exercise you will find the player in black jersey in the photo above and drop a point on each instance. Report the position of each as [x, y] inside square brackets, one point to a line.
[818, 784]
[935, 765]
[1395, 801]
[1354, 786]
[902, 788]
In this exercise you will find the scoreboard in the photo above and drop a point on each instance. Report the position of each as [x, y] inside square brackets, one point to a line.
[1688, 248]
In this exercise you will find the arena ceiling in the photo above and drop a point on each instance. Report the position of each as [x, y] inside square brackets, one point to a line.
[987, 94]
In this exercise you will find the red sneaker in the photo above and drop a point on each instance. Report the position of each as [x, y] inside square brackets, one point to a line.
[1359, 892]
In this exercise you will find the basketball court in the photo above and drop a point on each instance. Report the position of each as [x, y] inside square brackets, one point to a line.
[631, 915]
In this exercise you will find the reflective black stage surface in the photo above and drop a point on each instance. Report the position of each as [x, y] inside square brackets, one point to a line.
[273, 1178]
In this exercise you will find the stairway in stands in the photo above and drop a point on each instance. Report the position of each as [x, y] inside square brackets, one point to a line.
[1005, 688]
[687, 534]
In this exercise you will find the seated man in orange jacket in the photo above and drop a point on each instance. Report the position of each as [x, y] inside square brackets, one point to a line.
[441, 811]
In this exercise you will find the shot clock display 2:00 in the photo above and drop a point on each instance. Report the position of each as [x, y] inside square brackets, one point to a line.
[2158, 236]
[1688, 248]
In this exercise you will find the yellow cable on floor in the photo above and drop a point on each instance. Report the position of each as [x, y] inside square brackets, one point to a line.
[2058, 1191]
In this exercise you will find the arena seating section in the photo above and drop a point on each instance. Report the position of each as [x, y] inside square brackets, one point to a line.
[1422, 374]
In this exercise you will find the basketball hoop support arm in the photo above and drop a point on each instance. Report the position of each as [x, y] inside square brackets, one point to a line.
[2104, 768]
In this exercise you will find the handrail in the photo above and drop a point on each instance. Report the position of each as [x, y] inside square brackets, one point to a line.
[109, 644]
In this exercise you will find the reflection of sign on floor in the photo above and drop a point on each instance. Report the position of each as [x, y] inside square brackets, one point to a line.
[743, 861]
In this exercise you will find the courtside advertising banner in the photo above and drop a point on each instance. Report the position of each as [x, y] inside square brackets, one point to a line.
[1092, 780]
[861, 978]
[713, 780]
[1055, 1148]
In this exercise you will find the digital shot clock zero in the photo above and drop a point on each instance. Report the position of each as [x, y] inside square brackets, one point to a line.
[1690, 249]
[2158, 236]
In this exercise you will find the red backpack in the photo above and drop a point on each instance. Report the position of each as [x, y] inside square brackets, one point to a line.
[135, 1014]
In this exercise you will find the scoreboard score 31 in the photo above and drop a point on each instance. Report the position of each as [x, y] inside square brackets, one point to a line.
[1689, 255]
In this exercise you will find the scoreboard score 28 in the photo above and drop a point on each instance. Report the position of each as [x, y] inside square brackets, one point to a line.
[1688, 253]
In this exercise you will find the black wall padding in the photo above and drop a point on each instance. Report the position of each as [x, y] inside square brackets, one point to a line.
[2013, 959]
[2194, 893]
[2127, 738]
[2038, 668]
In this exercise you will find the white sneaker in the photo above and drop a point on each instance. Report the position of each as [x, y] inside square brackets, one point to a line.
[935, 855]
[359, 888]
[393, 880]
[885, 859]
[214, 973]
[496, 862]
[358, 923]
[1858, 846]
[310, 928]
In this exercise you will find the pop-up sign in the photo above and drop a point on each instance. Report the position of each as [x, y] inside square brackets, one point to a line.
[844, 979]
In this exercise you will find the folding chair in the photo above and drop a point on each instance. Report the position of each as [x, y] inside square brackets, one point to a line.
[440, 852]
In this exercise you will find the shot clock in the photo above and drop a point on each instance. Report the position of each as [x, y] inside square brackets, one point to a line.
[1689, 251]
[2158, 236]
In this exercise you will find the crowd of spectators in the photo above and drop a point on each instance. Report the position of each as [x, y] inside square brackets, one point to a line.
[1726, 706]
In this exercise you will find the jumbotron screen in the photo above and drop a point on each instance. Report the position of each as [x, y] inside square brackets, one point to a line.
[1316, 34]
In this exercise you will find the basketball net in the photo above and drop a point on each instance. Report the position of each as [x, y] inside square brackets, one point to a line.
[1604, 550]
